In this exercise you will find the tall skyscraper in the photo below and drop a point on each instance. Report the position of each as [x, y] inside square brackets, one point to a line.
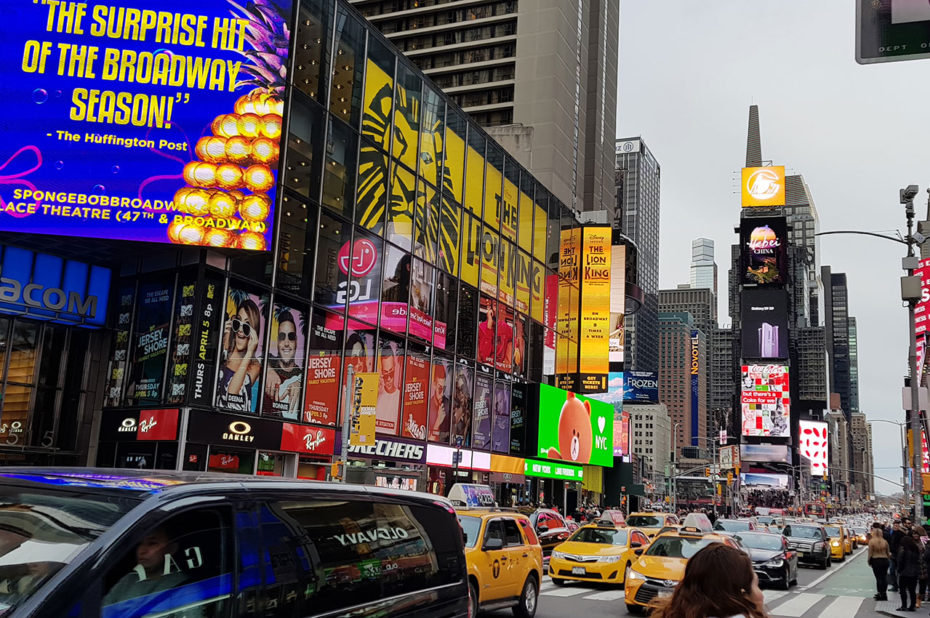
[699, 302]
[853, 366]
[703, 265]
[836, 307]
[722, 381]
[638, 178]
[682, 361]
[539, 75]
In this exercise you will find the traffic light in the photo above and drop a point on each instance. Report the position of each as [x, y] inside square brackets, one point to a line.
[707, 472]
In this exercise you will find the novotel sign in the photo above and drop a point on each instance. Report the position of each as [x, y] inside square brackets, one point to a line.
[47, 287]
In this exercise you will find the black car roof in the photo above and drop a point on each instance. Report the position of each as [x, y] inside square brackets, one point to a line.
[142, 483]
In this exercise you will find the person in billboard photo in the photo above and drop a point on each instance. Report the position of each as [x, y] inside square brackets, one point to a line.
[284, 375]
[486, 334]
[420, 286]
[389, 389]
[461, 407]
[519, 345]
[358, 352]
[241, 368]
[397, 287]
[438, 406]
[503, 348]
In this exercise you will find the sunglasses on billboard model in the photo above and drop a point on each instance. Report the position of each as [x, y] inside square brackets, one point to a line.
[288, 336]
[242, 327]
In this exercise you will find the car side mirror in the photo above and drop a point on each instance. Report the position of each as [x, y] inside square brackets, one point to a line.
[636, 544]
[639, 551]
[493, 544]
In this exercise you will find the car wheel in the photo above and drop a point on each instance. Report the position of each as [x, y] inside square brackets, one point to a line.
[526, 608]
[556, 581]
[826, 563]
[473, 598]
[636, 610]
[785, 583]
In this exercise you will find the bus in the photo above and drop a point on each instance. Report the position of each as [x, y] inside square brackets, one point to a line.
[815, 510]
[694, 492]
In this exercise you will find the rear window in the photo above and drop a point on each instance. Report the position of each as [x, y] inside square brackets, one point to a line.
[43, 530]
[365, 551]
[471, 526]
[644, 521]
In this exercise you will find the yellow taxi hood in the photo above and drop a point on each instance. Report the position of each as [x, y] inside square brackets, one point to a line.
[661, 567]
[590, 549]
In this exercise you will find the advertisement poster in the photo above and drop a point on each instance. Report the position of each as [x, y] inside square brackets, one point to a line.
[361, 260]
[440, 401]
[183, 335]
[140, 124]
[363, 415]
[239, 377]
[621, 434]
[321, 400]
[575, 428]
[517, 419]
[767, 453]
[483, 407]
[500, 427]
[487, 330]
[209, 316]
[567, 320]
[416, 387]
[764, 251]
[764, 481]
[813, 443]
[395, 290]
[765, 324]
[284, 377]
[391, 369]
[116, 372]
[519, 345]
[421, 299]
[763, 186]
[765, 400]
[641, 386]
[462, 393]
[696, 380]
[617, 303]
[150, 349]
[595, 303]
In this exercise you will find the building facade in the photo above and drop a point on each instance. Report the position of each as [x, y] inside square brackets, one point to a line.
[703, 265]
[861, 431]
[723, 381]
[651, 432]
[639, 178]
[683, 377]
[406, 246]
[838, 340]
[539, 75]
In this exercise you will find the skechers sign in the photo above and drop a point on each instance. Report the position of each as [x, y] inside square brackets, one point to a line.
[46, 287]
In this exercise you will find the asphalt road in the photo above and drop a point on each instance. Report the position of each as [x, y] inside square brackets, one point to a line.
[844, 590]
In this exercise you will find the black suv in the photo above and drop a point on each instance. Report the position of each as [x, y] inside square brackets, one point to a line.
[811, 543]
[111, 543]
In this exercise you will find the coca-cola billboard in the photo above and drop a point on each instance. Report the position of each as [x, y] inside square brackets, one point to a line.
[763, 251]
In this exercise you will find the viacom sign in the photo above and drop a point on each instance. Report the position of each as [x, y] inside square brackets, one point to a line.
[51, 288]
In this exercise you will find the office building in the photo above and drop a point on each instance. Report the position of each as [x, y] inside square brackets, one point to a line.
[683, 377]
[853, 366]
[651, 432]
[703, 265]
[540, 76]
[811, 374]
[638, 180]
[723, 381]
[838, 341]
[861, 431]
[840, 453]
[699, 302]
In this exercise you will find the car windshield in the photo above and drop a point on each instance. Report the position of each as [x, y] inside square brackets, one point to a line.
[471, 526]
[605, 536]
[832, 530]
[765, 520]
[731, 525]
[761, 541]
[805, 532]
[43, 530]
[643, 521]
[677, 547]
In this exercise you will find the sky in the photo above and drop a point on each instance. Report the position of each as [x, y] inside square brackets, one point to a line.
[688, 73]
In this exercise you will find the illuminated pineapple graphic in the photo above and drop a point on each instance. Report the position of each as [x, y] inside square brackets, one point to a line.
[233, 170]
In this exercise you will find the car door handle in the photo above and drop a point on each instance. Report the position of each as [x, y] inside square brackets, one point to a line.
[526, 555]
[503, 557]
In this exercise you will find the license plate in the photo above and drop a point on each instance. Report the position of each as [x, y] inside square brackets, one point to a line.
[800, 554]
[664, 593]
[578, 571]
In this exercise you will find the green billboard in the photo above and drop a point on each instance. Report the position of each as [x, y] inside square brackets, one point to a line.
[550, 470]
[574, 428]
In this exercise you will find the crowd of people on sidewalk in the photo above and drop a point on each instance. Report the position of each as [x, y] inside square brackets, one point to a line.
[900, 559]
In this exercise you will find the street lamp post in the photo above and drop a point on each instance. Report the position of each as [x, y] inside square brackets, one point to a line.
[910, 263]
[903, 437]
[672, 485]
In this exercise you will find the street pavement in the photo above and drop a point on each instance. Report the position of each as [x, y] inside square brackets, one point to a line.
[845, 590]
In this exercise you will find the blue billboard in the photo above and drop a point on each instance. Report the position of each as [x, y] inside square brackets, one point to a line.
[133, 120]
[640, 386]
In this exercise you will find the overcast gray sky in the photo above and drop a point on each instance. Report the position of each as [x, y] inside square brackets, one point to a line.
[689, 72]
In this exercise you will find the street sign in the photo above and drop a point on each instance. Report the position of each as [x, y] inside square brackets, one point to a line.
[892, 30]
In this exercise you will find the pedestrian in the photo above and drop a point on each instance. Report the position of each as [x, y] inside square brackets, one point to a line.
[894, 538]
[907, 563]
[879, 555]
[719, 582]
[925, 565]
[919, 535]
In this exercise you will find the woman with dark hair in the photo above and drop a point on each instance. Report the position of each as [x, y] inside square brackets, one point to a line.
[719, 582]
[241, 368]
[907, 563]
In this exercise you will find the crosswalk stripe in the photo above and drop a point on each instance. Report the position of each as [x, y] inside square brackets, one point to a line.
[773, 595]
[797, 605]
[565, 592]
[608, 595]
[843, 606]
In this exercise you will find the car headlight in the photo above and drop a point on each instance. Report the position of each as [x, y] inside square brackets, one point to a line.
[557, 555]
[634, 575]
[774, 564]
[835, 543]
[609, 559]
[818, 546]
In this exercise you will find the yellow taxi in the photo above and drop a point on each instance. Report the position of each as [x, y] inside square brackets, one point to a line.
[840, 545]
[661, 566]
[600, 552]
[504, 560]
[651, 522]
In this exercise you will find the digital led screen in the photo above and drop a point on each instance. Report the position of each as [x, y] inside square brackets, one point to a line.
[763, 186]
[575, 428]
[764, 251]
[641, 386]
[765, 401]
[813, 443]
[134, 123]
[764, 481]
[764, 324]
[764, 453]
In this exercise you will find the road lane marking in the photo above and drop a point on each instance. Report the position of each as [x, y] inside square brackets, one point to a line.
[565, 592]
[798, 605]
[843, 606]
[609, 595]
[772, 595]
[831, 572]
